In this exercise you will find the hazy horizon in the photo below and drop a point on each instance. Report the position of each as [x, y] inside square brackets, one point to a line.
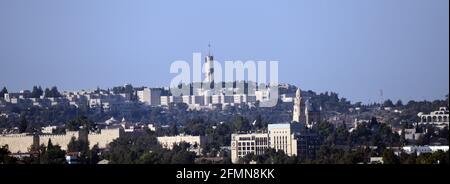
[352, 47]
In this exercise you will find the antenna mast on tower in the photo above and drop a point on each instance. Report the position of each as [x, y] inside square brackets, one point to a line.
[209, 48]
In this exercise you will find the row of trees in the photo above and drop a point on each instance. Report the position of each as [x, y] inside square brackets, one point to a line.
[81, 122]
[438, 157]
[179, 154]
[25, 126]
[144, 149]
[3, 92]
[372, 133]
[271, 156]
[389, 103]
[50, 154]
[198, 126]
[333, 155]
[37, 92]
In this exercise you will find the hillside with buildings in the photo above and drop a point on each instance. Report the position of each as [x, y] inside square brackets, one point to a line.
[303, 127]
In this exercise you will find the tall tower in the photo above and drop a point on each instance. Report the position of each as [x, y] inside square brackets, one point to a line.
[209, 66]
[312, 115]
[296, 116]
[308, 119]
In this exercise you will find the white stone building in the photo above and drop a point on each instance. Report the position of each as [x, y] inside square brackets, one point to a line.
[197, 142]
[439, 118]
[281, 137]
[244, 144]
[424, 149]
[278, 137]
[150, 96]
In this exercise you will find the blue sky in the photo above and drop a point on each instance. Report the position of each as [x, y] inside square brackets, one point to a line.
[353, 47]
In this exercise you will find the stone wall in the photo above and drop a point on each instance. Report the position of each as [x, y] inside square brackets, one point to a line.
[61, 140]
[22, 143]
[17, 142]
[105, 137]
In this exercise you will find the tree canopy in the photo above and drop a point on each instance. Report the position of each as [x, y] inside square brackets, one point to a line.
[3, 92]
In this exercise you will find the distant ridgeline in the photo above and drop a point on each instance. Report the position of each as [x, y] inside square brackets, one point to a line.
[198, 95]
[231, 93]
[21, 143]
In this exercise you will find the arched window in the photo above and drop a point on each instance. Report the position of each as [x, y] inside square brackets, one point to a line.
[434, 118]
[439, 118]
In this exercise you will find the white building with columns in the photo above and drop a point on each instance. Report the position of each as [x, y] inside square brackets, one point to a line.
[439, 118]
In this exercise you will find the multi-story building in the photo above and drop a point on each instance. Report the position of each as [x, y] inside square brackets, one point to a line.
[411, 134]
[209, 68]
[307, 145]
[244, 144]
[218, 99]
[165, 100]
[150, 96]
[281, 137]
[186, 99]
[144, 96]
[287, 137]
